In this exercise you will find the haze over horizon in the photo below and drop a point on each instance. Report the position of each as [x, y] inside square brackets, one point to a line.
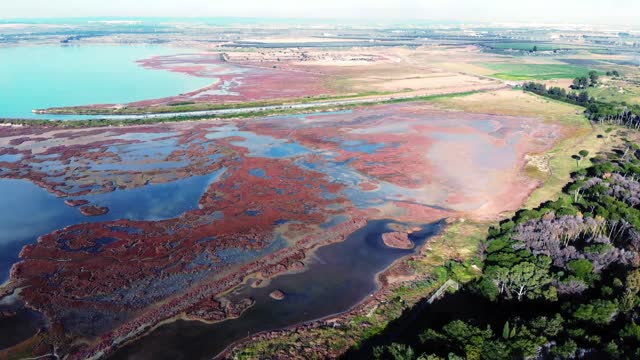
[615, 12]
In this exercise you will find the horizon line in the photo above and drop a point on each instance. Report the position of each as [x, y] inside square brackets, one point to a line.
[320, 19]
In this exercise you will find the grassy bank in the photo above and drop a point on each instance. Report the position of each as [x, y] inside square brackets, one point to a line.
[562, 165]
[616, 91]
[517, 103]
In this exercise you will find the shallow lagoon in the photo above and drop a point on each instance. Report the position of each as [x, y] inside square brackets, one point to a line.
[28, 211]
[37, 77]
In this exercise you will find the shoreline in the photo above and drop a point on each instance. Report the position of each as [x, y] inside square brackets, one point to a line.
[145, 329]
[244, 107]
[383, 287]
[116, 121]
[142, 330]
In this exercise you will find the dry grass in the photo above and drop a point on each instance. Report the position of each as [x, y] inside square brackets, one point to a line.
[562, 165]
[617, 91]
[458, 242]
[518, 103]
[397, 69]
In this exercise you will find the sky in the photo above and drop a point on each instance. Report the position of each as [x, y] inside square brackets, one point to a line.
[615, 12]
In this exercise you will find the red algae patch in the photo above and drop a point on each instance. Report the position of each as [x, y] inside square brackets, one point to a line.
[94, 210]
[397, 240]
[76, 203]
[368, 186]
[235, 82]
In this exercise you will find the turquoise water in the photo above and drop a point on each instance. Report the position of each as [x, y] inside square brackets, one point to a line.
[36, 77]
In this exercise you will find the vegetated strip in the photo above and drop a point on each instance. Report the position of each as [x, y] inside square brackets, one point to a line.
[281, 110]
[190, 106]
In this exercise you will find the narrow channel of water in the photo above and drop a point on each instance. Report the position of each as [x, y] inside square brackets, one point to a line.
[340, 276]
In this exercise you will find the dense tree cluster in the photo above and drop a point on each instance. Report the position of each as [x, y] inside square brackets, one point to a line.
[597, 111]
[584, 82]
[582, 98]
[560, 282]
[614, 113]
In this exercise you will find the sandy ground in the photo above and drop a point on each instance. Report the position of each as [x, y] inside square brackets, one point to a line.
[384, 70]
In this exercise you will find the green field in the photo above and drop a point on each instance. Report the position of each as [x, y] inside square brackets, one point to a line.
[508, 71]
